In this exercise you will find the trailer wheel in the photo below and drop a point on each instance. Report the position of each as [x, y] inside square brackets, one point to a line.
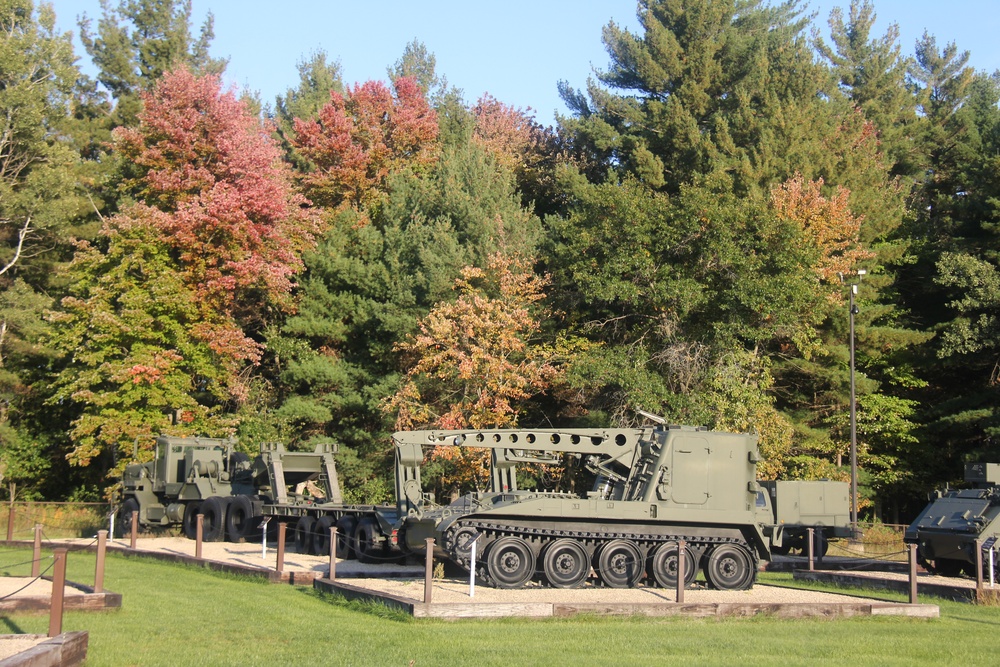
[240, 520]
[124, 525]
[321, 536]
[304, 534]
[510, 562]
[565, 563]
[214, 523]
[619, 564]
[190, 522]
[664, 566]
[345, 537]
[820, 545]
[730, 568]
[367, 544]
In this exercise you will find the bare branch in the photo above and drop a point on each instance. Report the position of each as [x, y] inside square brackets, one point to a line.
[21, 235]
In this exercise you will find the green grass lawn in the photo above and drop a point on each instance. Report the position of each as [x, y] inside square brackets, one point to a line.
[176, 615]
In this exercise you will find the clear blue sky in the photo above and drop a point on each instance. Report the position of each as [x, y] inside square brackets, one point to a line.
[516, 50]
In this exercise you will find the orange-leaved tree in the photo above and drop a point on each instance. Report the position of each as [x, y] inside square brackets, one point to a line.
[828, 225]
[476, 361]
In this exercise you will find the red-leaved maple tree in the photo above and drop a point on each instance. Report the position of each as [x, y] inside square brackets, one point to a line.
[361, 137]
[215, 186]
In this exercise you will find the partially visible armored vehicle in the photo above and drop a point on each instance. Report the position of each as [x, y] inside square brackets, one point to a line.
[653, 487]
[947, 530]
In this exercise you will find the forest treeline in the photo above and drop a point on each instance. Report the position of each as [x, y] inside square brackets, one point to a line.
[351, 258]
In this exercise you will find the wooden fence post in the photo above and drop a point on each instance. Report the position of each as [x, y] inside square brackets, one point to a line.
[279, 566]
[58, 584]
[36, 552]
[10, 522]
[429, 570]
[102, 546]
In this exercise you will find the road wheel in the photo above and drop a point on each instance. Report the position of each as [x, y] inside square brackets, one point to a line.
[565, 563]
[665, 562]
[510, 562]
[730, 568]
[368, 542]
[346, 526]
[123, 526]
[304, 534]
[321, 536]
[214, 523]
[619, 564]
[240, 520]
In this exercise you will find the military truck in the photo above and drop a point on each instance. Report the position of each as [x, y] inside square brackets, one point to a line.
[797, 506]
[653, 487]
[947, 530]
[207, 476]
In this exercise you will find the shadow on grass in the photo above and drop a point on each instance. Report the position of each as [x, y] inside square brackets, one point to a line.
[371, 607]
[12, 627]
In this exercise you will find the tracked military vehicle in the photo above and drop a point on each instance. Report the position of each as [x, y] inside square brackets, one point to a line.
[947, 530]
[654, 487]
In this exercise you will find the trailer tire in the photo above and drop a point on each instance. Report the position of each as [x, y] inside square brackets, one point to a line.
[366, 541]
[240, 519]
[820, 545]
[345, 537]
[214, 523]
[321, 536]
[190, 522]
[304, 534]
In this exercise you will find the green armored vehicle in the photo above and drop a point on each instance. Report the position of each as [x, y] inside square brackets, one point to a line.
[654, 487]
[946, 531]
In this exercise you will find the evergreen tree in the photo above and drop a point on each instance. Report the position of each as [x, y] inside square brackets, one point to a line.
[872, 73]
[137, 41]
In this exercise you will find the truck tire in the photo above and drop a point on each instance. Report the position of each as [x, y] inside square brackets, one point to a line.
[304, 534]
[214, 523]
[190, 521]
[240, 519]
[123, 525]
[345, 537]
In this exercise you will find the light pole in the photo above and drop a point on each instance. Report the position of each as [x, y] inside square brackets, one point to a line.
[854, 413]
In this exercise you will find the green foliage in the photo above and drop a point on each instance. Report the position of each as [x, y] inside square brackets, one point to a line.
[137, 41]
[133, 364]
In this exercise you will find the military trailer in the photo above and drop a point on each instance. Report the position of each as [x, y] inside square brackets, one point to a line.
[653, 488]
[947, 530]
[797, 506]
[317, 505]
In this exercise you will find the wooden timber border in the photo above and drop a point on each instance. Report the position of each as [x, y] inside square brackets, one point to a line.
[451, 610]
[65, 650]
[960, 591]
